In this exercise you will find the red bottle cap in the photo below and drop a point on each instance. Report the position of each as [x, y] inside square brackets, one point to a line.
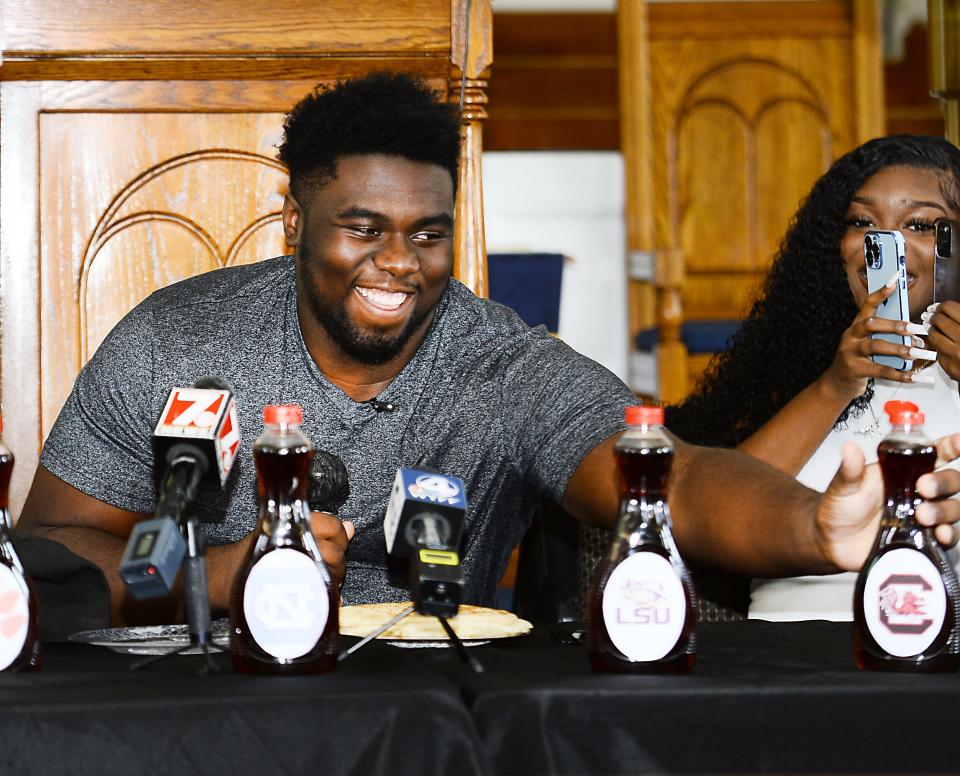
[643, 416]
[283, 414]
[903, 413]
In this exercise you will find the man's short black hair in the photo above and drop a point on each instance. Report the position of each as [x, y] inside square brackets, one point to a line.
[382, 113]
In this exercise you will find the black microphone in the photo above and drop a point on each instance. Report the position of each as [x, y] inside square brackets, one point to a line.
[329, 483]
[197, 437]
[424, 522]
[382, 406]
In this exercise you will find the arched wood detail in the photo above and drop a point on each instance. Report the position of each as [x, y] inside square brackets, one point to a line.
[712, 89]
[112, 223]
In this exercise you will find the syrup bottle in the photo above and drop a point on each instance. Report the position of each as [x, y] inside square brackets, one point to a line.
[19, 608]
[284, 616]
[906, 603]
[642, 605]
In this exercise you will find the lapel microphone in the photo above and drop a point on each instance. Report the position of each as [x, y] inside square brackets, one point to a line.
[381, 406]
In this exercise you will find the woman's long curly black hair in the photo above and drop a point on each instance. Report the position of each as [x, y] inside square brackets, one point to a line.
[805, 304]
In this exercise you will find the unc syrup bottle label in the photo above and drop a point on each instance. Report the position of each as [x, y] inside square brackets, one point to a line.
[644, 607]
[904, 602]
[286, 604]
[14, 617]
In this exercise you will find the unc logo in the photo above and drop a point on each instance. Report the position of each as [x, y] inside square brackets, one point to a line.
[434, 486]
[286, 603]
[285, 607]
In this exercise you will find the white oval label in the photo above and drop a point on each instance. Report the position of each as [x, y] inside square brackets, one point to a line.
[644, 606]
[286, 603]
[904, 602]
[14, 616]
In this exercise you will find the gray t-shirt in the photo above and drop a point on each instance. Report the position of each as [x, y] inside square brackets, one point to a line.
[509, 409]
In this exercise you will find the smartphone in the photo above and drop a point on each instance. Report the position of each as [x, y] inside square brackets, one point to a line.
[885, 255]
[946, 261]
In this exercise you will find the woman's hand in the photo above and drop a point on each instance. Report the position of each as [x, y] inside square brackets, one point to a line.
[852, 366]
[944, 336]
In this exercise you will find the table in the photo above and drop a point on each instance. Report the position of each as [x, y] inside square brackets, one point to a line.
[763, 697]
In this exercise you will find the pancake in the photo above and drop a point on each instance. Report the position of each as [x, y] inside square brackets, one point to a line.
[471, 622]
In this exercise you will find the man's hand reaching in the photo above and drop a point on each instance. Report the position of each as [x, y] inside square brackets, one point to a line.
[333, 537]
[848, 516]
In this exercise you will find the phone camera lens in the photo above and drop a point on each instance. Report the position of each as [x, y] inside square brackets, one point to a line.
[943, 240]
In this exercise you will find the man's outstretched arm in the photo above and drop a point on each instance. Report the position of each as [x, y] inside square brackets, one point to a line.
[734, 512]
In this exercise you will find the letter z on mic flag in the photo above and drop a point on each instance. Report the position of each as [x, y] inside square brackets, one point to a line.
[203, 414]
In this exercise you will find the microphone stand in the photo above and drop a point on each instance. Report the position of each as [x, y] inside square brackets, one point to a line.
[475, 665]
[197, 599]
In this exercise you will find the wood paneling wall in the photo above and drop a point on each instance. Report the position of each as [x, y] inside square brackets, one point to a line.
[137, 147]
[908, 105]
[555, 84]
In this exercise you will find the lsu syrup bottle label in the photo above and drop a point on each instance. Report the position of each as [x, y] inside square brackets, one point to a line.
[286, 604]
[904, 602]
[644, 607]
[14, 617]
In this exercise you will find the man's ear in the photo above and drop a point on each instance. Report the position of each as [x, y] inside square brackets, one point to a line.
[291, 217]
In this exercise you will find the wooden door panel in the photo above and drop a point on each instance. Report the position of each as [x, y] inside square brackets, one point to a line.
[712, 204]
[741, 127]
[792, 150]
[137, 201]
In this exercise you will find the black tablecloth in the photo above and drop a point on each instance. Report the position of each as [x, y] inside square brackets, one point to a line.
[762, 698]
[86, 712]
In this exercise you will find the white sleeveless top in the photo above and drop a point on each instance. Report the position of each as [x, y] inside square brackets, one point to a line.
[830, 597]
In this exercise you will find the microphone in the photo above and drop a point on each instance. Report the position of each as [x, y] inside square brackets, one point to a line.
[382, 406]
[197, 437]
[423, 524]
[329, 483]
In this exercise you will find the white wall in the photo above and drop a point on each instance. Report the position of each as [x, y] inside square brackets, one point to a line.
[570, 203]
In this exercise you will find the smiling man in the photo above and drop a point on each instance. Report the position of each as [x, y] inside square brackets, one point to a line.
[396, 364]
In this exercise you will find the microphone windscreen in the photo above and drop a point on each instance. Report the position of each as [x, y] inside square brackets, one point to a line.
[212, 381]
[329, 483]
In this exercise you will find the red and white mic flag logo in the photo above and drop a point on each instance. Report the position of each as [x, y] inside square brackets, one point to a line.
[203, 413]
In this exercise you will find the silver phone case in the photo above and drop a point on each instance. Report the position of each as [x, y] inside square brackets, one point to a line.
[885, 255]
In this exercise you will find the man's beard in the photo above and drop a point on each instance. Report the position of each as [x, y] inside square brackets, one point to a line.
[368, 347]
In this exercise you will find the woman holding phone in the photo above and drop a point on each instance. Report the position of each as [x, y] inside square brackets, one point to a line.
[799, 379]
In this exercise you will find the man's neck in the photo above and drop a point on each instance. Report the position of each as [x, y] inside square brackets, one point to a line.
[361, 381]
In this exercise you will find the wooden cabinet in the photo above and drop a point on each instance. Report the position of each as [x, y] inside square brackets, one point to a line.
[137, 148]
[729, 112]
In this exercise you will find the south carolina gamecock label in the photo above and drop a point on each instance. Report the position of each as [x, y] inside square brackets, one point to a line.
[904, 602]
[286, 604]
[644, 607]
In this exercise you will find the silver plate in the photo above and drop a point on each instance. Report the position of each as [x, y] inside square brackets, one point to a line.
[149, 639]
[435, 643]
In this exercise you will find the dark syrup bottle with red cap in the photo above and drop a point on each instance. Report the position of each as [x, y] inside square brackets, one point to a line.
[906, 604]
[642, 606]
[19, 608]
[284, 616]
